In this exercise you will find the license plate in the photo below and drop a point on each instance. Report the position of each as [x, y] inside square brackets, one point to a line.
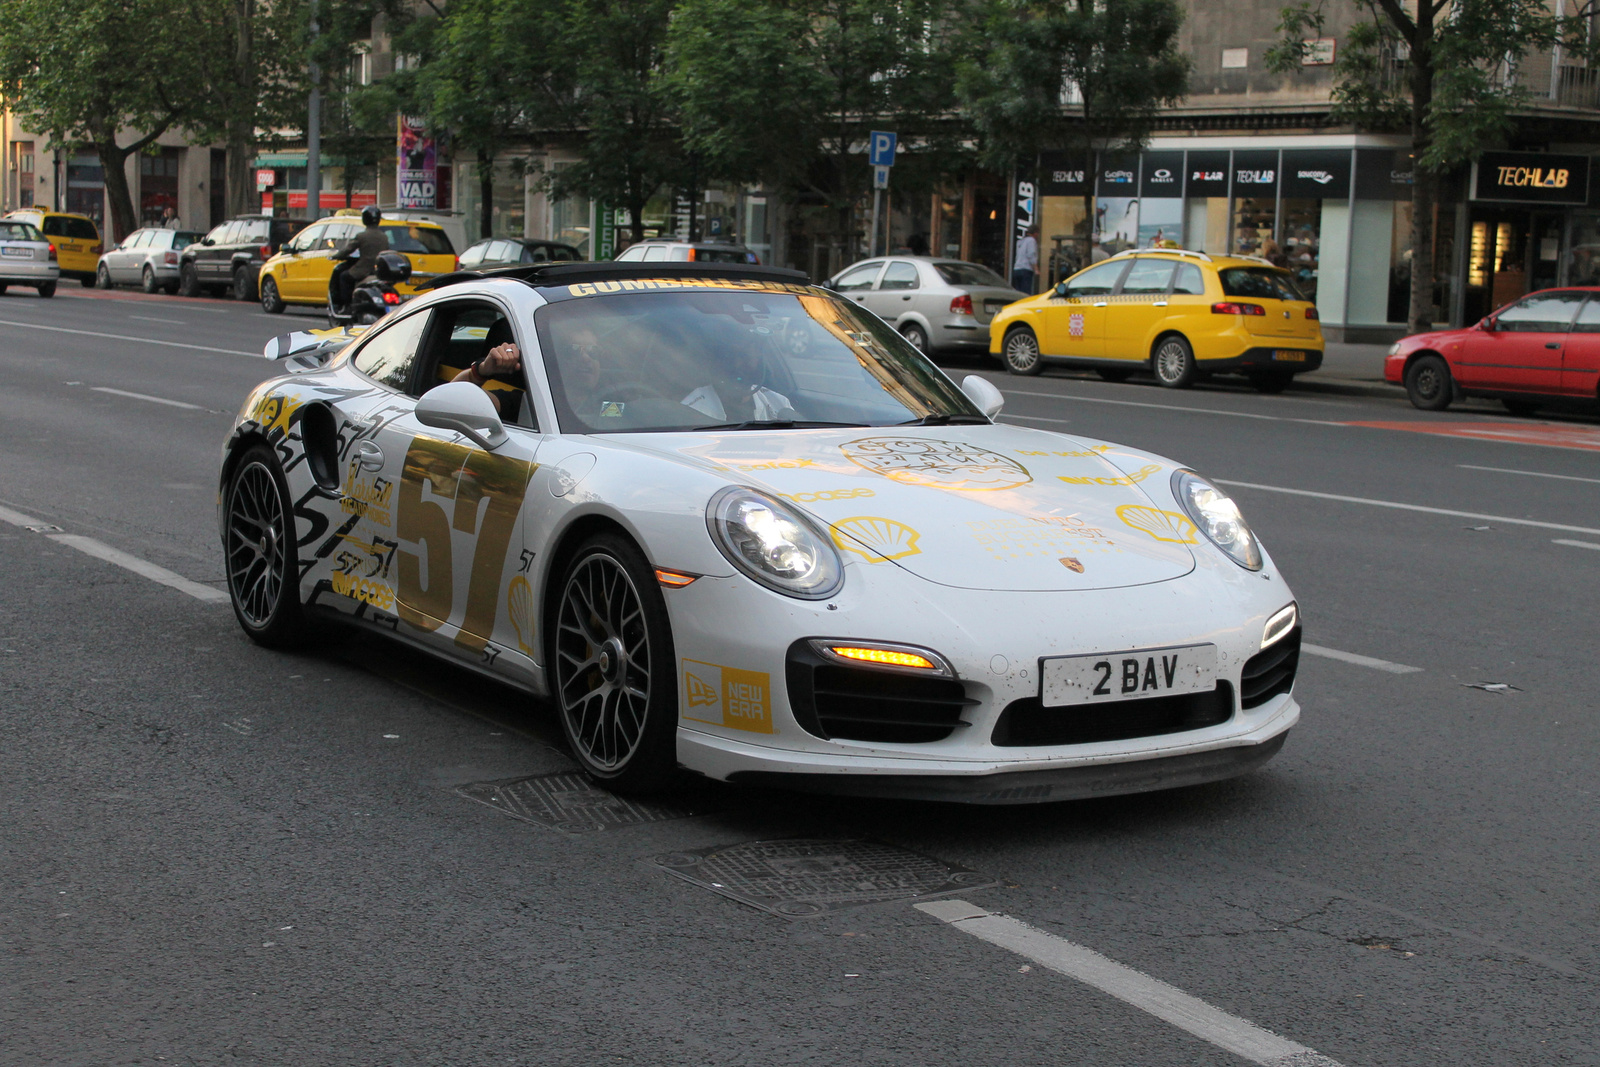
[1288, 355]
[17, 253]
[1134, 675]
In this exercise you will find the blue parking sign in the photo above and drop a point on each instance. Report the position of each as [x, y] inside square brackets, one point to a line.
[880, 148]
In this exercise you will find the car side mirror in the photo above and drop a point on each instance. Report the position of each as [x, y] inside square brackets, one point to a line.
[207, 241]
[1486, 324]
[982, 392]
[466, 409]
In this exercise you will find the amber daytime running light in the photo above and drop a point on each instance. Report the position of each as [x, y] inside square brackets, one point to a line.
[674, 579]
[885, 656]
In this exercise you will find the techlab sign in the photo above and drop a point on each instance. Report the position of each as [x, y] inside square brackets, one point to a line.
[1531, 178]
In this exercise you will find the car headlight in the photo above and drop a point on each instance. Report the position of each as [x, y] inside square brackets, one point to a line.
[1218, 518]
[1394, 349]
[773, 545]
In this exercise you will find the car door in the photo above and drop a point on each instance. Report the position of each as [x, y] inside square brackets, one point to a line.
[295, 283]
[1137, 307]
[212, 253]
[1520, 348]
[857, 282]
[895, 292]
[1580, 356]
[117, 261]
[1073, 321]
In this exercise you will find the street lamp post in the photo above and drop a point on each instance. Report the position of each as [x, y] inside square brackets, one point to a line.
[314, 132]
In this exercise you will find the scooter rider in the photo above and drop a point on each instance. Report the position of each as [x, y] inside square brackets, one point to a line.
[364, 248]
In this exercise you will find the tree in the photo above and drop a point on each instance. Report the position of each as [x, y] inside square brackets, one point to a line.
[87, 72]
[1080, 76]
[785, 92]
[1458, 91]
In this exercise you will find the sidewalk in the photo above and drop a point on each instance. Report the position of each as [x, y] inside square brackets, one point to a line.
[1347, 368]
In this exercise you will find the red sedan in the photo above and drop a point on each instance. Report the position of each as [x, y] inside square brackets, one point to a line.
[1544, 346]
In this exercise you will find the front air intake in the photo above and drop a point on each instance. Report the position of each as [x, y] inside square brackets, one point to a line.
[1270, 672]
[835, 701]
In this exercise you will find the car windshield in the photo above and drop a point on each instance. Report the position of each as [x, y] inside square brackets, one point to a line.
[783, 356]
[1263, 283]
[703, 254]
[184, 238]
[955, 272]
[19, 231]
[419, 240]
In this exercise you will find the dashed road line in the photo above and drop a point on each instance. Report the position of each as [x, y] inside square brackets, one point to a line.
[1168, 1003]
[169, 322]
[1362, 661]
[1576, 544]
[1411, 507]
[1530, 474]
[102, 551]
[124, 337]
[146, 396]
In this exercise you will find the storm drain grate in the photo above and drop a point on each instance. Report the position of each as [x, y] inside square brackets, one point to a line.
[569, 803]
[801, 878]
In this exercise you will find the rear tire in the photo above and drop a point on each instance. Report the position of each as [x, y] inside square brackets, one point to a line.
[147, 280]
[614, 672]
[1520, 406]
[102, 277]
[244, 286]
[1020, 352]
[1114, 374]
[47, 290]
[917, 336]
[259, 552]
[271, 299]
[3, 288]
[1173, 362]
[1428, 384]
[188, 281]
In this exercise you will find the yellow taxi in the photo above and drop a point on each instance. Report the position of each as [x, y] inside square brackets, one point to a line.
[299, 273]
[76, 237]
[1178, 314]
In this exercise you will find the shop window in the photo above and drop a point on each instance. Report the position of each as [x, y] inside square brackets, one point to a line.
[1582, 260]
[1302, 243]
[1254, 218]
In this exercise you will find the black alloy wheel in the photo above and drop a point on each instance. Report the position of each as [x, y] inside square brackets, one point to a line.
[147, 280]
[259, 551]
[917, 336]
[1020, 352]
[1428, 384]
[1174, 363]
[271, 300]
[188, 280]
[102, 277]
[615, 679]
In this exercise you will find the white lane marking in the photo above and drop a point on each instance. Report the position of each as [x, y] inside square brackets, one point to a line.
[145, 396]
[102, 551]
[1411, 507]
[172, 322]
[1167, 407]
[1168, 1003]
[124, 337]
[1531, 474]
[1361, 661]
[1033, 418]
[1575, 544]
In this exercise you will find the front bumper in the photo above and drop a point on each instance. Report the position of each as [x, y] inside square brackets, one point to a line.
[1267, 357]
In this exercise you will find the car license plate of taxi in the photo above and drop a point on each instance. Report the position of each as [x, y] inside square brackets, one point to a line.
[1134, 675]
[1288, 355]
[17, 253]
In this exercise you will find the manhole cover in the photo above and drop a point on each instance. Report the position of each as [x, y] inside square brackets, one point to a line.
[569, 803]
[796, 879]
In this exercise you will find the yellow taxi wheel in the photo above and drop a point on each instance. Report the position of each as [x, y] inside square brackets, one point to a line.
[1020, 352]
[1173, 362]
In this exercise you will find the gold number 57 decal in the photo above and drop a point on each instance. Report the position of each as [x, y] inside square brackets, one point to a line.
[469, 477]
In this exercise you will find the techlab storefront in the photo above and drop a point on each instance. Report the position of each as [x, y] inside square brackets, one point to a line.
[1337, 211]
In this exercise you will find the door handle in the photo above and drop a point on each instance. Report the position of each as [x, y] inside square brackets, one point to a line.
[369, 457]
[1100, 304]
[905, 298]
[1159, 304]
[1552, 344]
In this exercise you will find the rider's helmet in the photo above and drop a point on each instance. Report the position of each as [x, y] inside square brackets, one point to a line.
[370, 215]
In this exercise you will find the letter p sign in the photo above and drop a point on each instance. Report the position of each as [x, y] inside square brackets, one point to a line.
[880, 148]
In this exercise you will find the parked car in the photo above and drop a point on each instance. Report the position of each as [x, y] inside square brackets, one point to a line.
[516, 251]
[27, 257]
[299, 273]
[1181, 314]
[148, 257]
[76, 239]
[1542, 347]
[453, 223]
[229, 258]
[935, 303]
[671, 250]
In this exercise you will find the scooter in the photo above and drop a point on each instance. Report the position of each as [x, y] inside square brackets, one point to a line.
[374, 296]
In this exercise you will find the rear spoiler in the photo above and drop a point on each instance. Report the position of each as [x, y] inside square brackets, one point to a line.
[310, 349]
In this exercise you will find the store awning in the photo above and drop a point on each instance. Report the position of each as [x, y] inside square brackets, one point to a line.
[280, 159]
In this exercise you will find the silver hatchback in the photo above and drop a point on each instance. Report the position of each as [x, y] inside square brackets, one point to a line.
[934, 303]
[27, 258]
[147, 258]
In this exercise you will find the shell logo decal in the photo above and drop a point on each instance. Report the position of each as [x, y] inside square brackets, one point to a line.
[936, 464]
[1161, 525]
[875, 539]
[519, 605]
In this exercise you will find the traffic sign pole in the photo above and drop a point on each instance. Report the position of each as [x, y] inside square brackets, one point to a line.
[880, 153]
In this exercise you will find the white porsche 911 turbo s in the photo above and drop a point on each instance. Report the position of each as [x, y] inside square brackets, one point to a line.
[728, 522]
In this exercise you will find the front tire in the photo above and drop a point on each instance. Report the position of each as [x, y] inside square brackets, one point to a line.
[1020, 352]
[1174, 363]
[614, 672]
[188, 281]
[244, 286]
[917, 336]
[1428, 384]
[147, 280]
[271, 299]
[259, 552]
[102, 277]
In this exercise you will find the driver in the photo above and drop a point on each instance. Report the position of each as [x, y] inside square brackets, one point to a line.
[364, 248]
[502, 358]
[737, 391]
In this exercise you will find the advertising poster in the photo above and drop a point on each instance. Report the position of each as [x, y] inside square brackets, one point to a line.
[419, 165]
[1118, 222]
[1160, 220]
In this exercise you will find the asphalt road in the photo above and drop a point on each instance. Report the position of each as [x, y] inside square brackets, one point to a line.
[214, 854]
